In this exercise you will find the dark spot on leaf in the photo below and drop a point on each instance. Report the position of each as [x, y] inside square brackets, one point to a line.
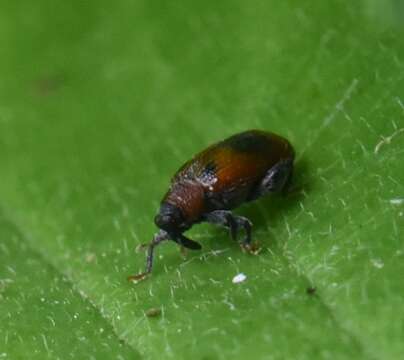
[49, 84]
[153, 312]
[311, 290]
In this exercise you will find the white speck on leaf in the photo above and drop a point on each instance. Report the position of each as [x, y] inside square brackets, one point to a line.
[339, 106]
[45, 342]
[239, 278]
[377, 263]
[397, 201]
[386, 140]
[117, 225]
[90, 257]
[229, 304]
[51, 320]
[4, 283]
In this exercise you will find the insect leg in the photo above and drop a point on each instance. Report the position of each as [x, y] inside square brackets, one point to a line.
[234, 223]
[223, 218]
[187, 243]
[158, 238]
[247, 225]
[246, 244]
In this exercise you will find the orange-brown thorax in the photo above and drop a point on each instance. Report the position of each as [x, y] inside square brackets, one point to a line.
[188, 196]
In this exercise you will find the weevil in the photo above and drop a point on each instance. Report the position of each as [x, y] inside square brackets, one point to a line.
[239, 169]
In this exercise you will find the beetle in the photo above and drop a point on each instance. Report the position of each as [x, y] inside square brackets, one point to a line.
[239, 169]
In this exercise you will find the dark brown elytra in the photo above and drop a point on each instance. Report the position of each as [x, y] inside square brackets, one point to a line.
[239, 169]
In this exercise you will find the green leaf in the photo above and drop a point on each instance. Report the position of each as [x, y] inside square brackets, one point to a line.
[101, 102]
[43, 315]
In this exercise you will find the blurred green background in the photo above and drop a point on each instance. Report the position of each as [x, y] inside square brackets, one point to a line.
[100, 102]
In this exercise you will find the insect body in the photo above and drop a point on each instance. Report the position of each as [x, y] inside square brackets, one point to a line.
[238, 169]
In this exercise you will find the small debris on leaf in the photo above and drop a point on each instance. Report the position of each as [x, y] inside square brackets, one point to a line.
[141, 248]
[386, 140]
[398, 201]
[153, 312]
[239, 278]
[137, 278]
[90, 257]
[311, 290]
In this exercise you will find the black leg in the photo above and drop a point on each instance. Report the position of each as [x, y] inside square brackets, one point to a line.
[226, 219]
[158, 238]
[185, 242]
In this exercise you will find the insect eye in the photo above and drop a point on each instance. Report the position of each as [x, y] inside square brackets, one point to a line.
[169, 217]
[162, 220]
